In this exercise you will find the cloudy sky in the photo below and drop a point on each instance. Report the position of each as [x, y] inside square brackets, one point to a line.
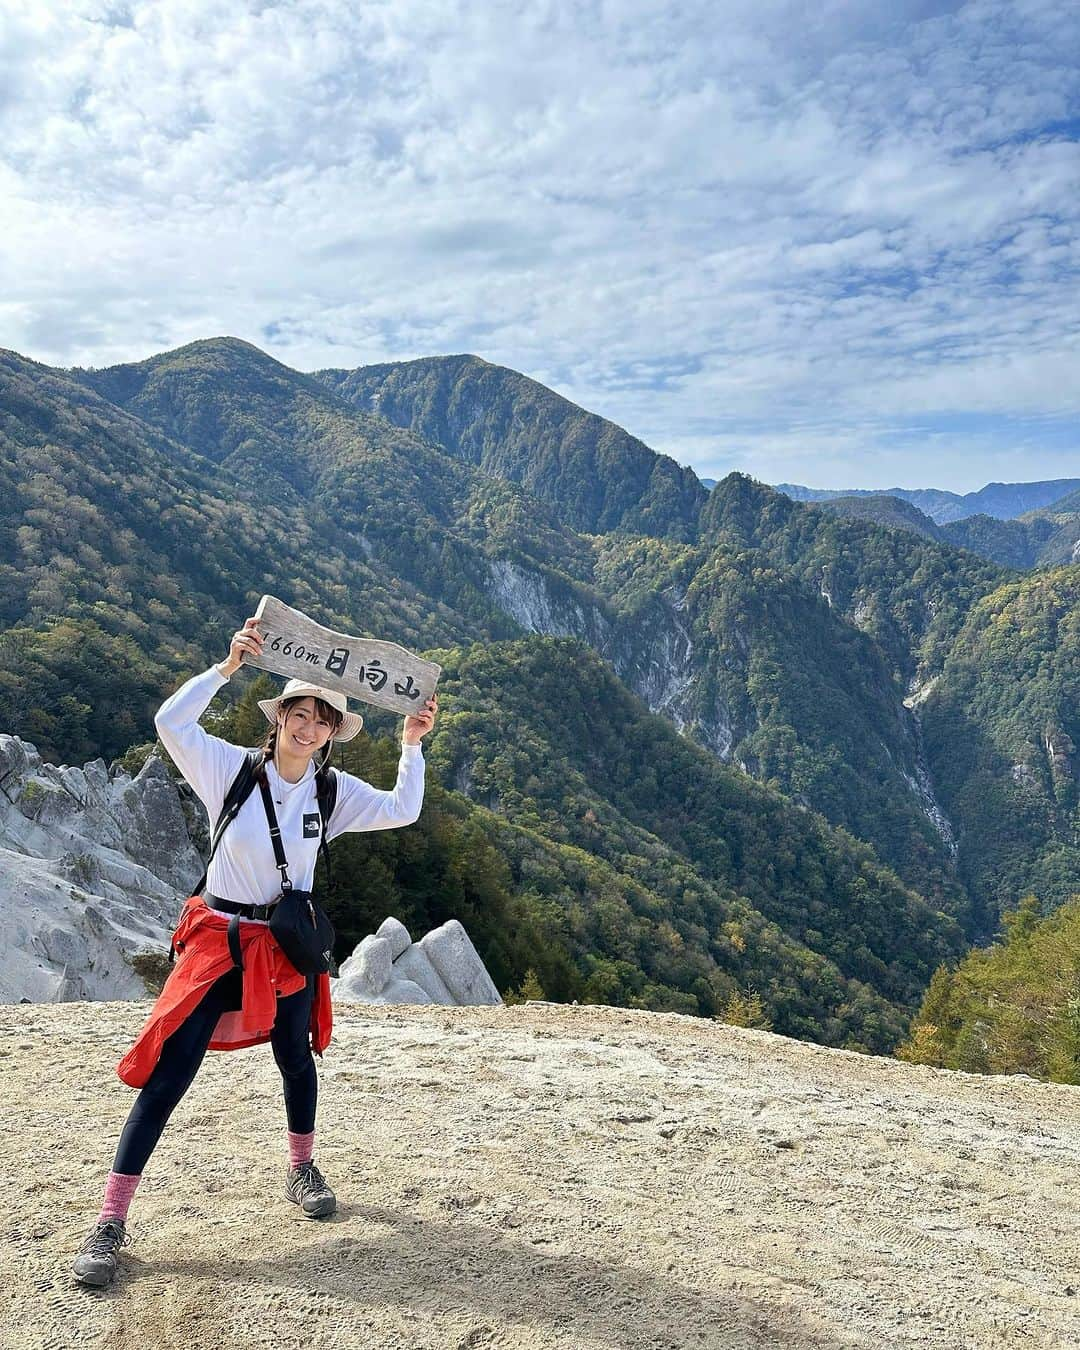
[831, 243]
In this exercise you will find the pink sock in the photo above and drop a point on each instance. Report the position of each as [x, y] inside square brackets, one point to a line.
[119, 1189]
[300, 1147]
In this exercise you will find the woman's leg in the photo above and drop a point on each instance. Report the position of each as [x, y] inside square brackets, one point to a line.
[181, 1055]
[305, 1185]
[291, 1043]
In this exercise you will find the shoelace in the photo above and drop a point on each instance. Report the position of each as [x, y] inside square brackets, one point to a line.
[105, 1239]
[309, 1178]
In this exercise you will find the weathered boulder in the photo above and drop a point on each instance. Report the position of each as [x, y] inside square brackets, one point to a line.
[369, 967]
[387, 967]
[451, 952]
[402, 991]
[414, 964]
[396, 934]
[92, 869]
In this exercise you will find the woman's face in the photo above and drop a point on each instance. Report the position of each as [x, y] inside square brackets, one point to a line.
[302, 731]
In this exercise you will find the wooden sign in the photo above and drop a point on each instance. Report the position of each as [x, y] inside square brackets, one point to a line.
[376, 672]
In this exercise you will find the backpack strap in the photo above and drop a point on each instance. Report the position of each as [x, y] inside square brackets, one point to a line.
[240, 789]
[326, 787]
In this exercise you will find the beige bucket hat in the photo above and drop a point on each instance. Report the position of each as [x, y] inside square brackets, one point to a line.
[301, 689]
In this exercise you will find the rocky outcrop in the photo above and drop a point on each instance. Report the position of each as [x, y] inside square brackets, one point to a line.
[1060, 752]
[921, 782]
[92, 869]
[388, 967]
[543, 604]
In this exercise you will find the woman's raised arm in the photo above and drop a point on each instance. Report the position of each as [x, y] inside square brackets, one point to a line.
[360, 806]
[207, 762]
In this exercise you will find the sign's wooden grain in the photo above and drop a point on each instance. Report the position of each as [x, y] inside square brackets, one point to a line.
[381, 673]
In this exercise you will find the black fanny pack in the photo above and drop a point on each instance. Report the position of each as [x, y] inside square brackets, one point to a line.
[304, 932]
[299, 924]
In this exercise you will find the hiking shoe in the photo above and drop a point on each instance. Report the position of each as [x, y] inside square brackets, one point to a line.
[96, 1261]
[306, 1186]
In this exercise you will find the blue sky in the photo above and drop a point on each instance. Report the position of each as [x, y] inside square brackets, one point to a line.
[831, 243]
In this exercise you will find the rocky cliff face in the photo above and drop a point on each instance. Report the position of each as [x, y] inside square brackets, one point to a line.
[93, 867]
[653, 654]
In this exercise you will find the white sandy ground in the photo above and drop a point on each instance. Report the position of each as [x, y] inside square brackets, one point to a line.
[538, 1176]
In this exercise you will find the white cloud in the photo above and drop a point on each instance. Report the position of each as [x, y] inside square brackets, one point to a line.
[756, 232]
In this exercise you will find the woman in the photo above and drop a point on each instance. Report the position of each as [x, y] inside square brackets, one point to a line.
[208, 1002]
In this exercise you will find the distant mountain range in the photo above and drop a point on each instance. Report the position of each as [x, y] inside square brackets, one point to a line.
[691, 740]
[1002, 501]
[1039, 536]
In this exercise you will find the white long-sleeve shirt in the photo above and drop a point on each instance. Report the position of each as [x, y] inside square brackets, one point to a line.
[243, 868]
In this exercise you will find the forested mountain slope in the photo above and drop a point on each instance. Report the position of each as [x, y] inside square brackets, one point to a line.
[893, 512]
[1043, 538]
[683, 861]
[834, 733]
[600, 477]
[909, 594]
[125, 555]
[1010, 1008]
[154, 503]
[579, 836]
[1002, 728]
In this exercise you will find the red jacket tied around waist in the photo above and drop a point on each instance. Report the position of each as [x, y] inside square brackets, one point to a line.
[201, 941]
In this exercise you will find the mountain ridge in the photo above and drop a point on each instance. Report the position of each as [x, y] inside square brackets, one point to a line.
[785, 638]
[1002, 501]
[603, 477]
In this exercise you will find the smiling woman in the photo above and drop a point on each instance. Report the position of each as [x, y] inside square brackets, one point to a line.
[307, 726]
[305, 721]
[233, 985]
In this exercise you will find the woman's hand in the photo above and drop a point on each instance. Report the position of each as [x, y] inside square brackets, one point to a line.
[421, 724]
[247, 641]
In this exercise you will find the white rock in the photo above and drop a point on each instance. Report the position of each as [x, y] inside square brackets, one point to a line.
[415, 965]
[404, 991]
[451, 952]
[395, 933]
[368, 969]
[93, 871]
[418, 973]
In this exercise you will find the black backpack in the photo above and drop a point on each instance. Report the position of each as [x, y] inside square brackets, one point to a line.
[241, 788]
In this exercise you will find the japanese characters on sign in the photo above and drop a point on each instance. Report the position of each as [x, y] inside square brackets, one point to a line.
[377, 672]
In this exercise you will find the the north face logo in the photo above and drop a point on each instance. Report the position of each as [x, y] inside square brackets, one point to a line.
[311, 826]
[326, 957]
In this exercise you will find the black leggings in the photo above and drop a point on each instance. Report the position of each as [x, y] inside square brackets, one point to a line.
[183, 1052]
